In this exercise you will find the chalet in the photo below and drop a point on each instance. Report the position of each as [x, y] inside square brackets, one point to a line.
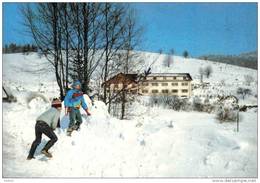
[173, 84]
[120, 81]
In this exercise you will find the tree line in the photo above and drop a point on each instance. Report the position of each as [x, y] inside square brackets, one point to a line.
[24, 48]
[248, 60]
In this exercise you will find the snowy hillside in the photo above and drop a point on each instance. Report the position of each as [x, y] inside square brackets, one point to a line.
[195, 145]
[225, 78]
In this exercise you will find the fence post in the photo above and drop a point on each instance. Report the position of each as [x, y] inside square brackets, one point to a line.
[238, 119]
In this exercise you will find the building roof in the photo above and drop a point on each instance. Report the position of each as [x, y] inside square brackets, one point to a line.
[122, 78]
[170, 75]
[132, 78]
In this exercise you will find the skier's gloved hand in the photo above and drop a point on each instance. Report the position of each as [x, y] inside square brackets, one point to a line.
[88, 113]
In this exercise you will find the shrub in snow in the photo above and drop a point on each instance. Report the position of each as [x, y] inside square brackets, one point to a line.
[153, 100]
[243, 92]
[207, 106]
[185, 104]
[175, 103]
[226, 114]
[160, 101]
[197, 104]
[172, 102]
[227, 110]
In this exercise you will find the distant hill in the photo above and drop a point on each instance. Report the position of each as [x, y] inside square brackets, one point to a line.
[245, 59]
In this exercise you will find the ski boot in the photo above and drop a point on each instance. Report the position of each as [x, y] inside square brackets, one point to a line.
[69, 131]
[46, 153]
[30, 157]
[76, 126]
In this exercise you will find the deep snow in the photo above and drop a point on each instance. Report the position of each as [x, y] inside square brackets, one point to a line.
[196, 146]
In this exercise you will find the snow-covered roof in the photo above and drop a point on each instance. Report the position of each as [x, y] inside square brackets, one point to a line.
[170, 74]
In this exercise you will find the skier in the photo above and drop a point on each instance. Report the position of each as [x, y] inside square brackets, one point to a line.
[73, 101]
[45, 124]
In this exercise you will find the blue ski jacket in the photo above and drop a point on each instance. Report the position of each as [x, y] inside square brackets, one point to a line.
[74, 98]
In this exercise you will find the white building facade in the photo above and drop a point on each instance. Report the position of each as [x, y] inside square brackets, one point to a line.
[171, 84]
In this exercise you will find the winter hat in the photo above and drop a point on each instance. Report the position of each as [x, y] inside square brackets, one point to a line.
[56, 103]
[76, 83]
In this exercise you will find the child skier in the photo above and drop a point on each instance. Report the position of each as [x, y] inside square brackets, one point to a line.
[45, 124]
[73, 101]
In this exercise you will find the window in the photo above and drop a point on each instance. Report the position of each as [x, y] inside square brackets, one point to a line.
[146, 84]
[154, 84]
[164, 84]
[184, 84]
[165, 91]
[154, 78]
[154, 91]
[184, 91]
[174, 91]
[174, 84]
[164, 78]
[144, 91]
[133, 91]
[174, 78]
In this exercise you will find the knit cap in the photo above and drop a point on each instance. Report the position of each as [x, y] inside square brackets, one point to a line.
[56, 103]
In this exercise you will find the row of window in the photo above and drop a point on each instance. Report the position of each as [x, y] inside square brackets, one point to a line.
[165, 84]
[165, 91]
[174, 77]
[156, 84]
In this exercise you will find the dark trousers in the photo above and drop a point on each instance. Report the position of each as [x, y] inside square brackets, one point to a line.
[42, 128]
[75, 117]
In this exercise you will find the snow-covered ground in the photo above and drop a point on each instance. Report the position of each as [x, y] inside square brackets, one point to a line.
[196, 145]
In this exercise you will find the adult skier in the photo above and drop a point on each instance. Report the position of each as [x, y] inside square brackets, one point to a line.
[73, 101]
[45, 124]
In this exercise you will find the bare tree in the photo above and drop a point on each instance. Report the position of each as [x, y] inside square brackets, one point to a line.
[201, 73]
[113, 28]
[168, 61]
[248, 79]
[208, 71]
[68, 36]
[43, 24]
[132, 36]
[243, 92]
[172, 52]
